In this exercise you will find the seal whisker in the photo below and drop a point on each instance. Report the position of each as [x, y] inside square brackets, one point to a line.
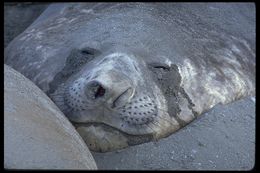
[56, 93]
[67, 110]
[61, 104]
[59, 101]
[168, 121]
[58, 98]
[150, 127]
[162, 110]
[105, 139]
[63, 107]
[156, 124]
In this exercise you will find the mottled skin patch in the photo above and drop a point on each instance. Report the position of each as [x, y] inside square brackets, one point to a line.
[168, 78]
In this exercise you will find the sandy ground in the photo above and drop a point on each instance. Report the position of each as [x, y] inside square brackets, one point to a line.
[221, 139]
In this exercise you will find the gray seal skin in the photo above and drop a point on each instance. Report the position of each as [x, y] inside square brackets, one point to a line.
[129, 73]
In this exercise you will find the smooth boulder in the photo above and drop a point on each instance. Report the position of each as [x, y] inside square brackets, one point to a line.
[36, 133]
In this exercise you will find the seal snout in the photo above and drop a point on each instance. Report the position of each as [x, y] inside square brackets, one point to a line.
[114, 95]
[108, 88]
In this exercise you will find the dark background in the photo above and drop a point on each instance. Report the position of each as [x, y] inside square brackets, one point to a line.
[18, 16]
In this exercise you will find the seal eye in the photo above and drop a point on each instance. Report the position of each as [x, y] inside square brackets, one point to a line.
[159, 65]
[90, 51]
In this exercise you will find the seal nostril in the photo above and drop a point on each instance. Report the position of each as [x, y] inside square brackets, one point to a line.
[94, 90]
[100, 91]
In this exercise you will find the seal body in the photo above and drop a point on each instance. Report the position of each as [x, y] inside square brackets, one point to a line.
[128, 73]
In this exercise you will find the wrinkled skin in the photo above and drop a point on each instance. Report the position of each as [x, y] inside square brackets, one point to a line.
[129, 73]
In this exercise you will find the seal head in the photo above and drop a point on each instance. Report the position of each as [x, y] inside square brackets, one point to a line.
[117, 94]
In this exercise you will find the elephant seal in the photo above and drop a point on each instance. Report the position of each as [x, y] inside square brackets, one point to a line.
[129, 73]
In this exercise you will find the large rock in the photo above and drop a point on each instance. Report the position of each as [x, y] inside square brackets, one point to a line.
[36, 133]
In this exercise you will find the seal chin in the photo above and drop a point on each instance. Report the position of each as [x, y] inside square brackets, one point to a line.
[102, 138]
